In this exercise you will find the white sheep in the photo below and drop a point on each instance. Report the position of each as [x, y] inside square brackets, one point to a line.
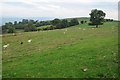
[79, 28]
[14, 34]
[19, 33]
[5, 46]
[84, 29]
[29, 40]
[64, 32]
[92, 28]
[85, 69]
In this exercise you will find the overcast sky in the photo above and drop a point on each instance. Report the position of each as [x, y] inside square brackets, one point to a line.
[57, 8]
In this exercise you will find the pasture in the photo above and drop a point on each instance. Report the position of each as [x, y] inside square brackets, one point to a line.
[82, 52]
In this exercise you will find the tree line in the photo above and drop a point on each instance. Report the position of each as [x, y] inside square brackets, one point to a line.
[31, 25]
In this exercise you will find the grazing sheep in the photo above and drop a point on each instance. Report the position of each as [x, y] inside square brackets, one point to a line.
[92, 28]
[64, 32]
[19, 33]
[14, 34]
[84, 29]
[29, 40]
[84, 70]
[79, 28]
[5, 46]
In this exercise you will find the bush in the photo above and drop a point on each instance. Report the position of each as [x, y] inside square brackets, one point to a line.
[85, 21]
[55, 22]
[30, 27]
[91, 24]
[82, 22]
[109, 20]
[73, 22]
[44, 28]
[39, 29]
[11, 29]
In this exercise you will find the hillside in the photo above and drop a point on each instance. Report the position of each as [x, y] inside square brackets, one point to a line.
[80, 51]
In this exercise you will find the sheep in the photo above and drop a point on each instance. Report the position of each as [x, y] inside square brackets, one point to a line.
[64, 32]
[29, 40]
[79, 28]
[5, 46]
[14, 34]
[92, 28]
[19, 33]
[84, 29]
[84, 70]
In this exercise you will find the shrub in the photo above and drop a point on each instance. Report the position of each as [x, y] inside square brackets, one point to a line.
[11, 29]
[73, 22]
[39, 29]
[91, 24]
[82, 22]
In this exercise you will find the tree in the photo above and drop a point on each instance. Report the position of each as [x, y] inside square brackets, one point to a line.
[11, 29]
[4, 29]
[64, 23]
[15, 22]
[30, 27]
[38, 24]
[97, 17]
[24, 21]
[55, 22]
[8, 24]
[74, 22]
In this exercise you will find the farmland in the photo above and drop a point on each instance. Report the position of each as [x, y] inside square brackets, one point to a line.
[80, 51]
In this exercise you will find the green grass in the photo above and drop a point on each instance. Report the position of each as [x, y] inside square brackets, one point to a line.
[53, 54]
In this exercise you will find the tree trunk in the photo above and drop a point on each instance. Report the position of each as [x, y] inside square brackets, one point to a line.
[96, 26]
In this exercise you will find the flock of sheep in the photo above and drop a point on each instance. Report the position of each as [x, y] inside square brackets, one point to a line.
[78, 28]
[29, 41]
[6, 45]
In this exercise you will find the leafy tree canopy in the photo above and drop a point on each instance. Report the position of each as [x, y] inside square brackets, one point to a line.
[97, 17]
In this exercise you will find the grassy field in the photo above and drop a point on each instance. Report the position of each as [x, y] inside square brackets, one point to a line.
[81, 51]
